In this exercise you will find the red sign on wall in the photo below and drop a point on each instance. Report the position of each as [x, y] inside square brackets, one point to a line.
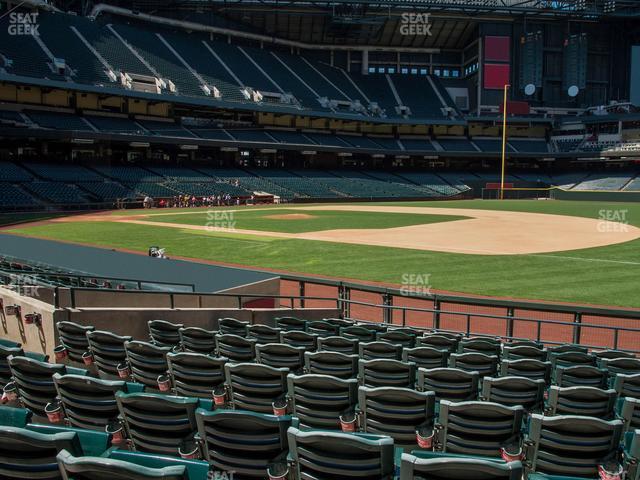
[497, 49]
[496, 76]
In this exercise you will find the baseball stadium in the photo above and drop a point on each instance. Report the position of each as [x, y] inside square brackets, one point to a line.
[320, 240]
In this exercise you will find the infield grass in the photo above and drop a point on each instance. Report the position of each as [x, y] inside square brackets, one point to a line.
[605, 275]
[298, 221]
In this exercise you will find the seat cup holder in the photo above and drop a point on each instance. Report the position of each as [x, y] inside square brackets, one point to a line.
[280, 407]
[348, 422]
[54, 412]
[164, 383]
[278, 471]
[189, 450]
[123, 370]
[87, 358]
[424, 437]
[60, 353]
[115, 429]
[9, 393]
[219, 396]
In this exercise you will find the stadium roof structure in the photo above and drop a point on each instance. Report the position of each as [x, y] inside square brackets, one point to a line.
[576, 8]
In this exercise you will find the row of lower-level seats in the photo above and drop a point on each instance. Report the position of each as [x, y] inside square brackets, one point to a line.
[227, 440]
[472, 430]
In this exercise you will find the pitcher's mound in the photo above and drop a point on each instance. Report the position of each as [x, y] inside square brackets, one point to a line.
[290, 216]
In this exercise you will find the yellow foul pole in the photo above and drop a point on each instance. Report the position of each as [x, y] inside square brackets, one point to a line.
[504, 140]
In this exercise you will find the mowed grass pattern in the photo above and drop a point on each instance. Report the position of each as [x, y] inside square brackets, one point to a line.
[299, 221]
[605, 275]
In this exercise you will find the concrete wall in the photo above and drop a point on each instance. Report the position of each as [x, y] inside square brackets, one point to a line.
[34, 338]
[136, 299]
[129, 320]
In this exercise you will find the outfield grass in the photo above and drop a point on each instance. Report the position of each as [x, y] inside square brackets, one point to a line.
[604, 275]
[314, 221]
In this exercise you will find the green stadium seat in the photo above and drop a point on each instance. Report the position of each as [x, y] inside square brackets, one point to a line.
[164, 334]
[108, 352]
[288, 324]
[336, 364]
[581, 375]
[448, 383]
[340, 322]
[88, 402]
[358, 333]
[523, 352]
[567, 348]
[34, 381]
[318, 401]
[571, 359]
[157, 423]
[101, 468]
[485, 365]
[477, 428]
[231, 326]
[280, 355]
[623, 365]
[396, 412]
[612, 354]
[421, 466]
[255, 387]
[197, 340]
[15, 417]
[629, 412]
[426, 357]
[298, 338]
[569, 445]
[328, 455]
[323, 329]
[5, 352]
[632, 454]
[396, 337]
[347, 346]
[74, 338]
[235, 348]
[25, 454]
[243, 442]
[263, 334]
[147, 362]
[488, 346]
[380, 349]
[195, 374]
[526, 367]
[627, 385]
[513, 391]
[438, 341]
[585, 401]
[386, 373]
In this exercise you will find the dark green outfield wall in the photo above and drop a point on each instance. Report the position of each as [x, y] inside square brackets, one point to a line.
[559, 194]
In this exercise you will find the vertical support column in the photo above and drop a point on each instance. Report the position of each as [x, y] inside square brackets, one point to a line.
[346, 310]
[301, 290]
[365, 62]
[510, 313]
[387, 314]
[577, 327]
[436, 314]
